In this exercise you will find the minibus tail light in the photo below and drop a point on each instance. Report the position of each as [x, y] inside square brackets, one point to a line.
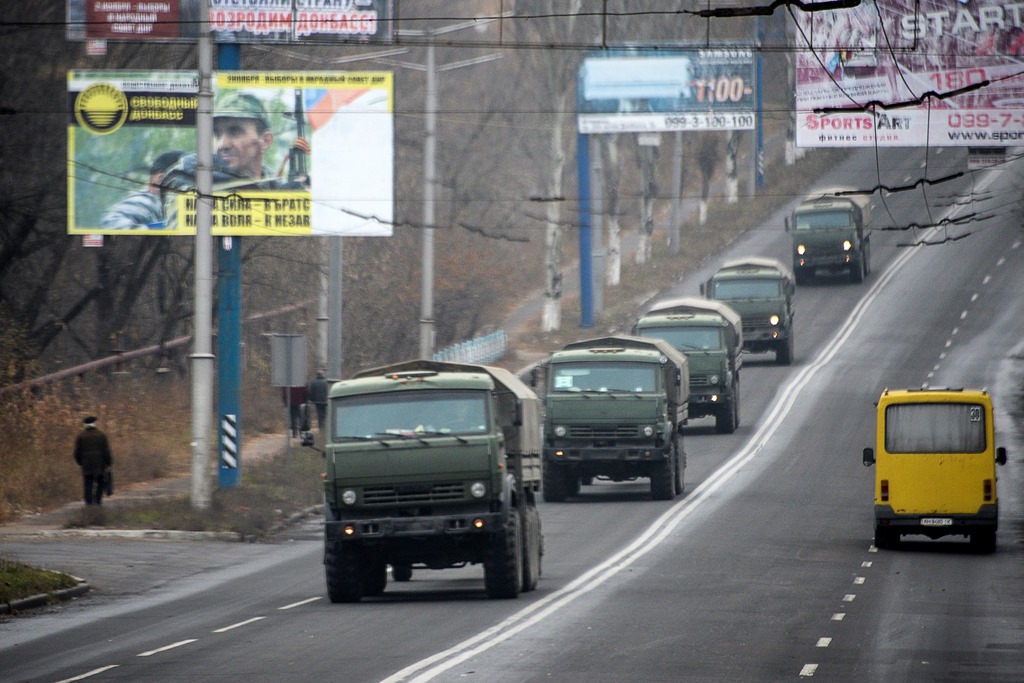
[987, 487]
[884, 489]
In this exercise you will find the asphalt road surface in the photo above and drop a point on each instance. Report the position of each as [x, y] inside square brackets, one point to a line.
[764, 569]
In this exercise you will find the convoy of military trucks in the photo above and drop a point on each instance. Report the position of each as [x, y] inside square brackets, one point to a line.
[435, 464]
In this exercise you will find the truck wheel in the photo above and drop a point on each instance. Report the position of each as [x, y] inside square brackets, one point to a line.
[725, 419]
[857, 270]
[531, 548]
[401, 572]
[784, 351]
[375, 577]
[344, 580]
[503, 568]
[556, 483]
[663, 479]
[680, 464]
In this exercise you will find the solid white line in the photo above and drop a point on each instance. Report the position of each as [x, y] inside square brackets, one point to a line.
[664, 525]
[241, 623]
[301, 602]
[89, 674]
[166, 647]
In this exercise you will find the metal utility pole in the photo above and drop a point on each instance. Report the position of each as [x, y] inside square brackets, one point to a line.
[202, 355]
[426, 323]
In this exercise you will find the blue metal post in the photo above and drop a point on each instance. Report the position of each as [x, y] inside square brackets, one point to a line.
[586, 269]
[229, 334]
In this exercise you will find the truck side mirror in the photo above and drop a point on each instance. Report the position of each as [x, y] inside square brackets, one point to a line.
[1001, 456]
[786, 222]
[869, 457]
[702, 289]
[517, 419]
[533, 376]
[679, 377]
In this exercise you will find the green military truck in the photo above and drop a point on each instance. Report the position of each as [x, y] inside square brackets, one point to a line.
[710, 334]
[761, 290]
[831, 232]
[614, 409]
[431, 465]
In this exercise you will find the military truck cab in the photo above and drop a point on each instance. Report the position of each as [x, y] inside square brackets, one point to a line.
[614, 410]
[935, 466]
[431, 465]
[761, 290]
[831, 232]
[710, 334]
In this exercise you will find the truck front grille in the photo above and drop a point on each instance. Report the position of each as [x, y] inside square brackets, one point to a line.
[755, 322]
[414, 493]
[603, 432]
[699, 381]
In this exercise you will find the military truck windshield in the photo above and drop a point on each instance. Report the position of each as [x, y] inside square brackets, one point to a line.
[753, 288]
[935, 428]
[604, 377]
[688, 338]
[822, 220]
[410, 413]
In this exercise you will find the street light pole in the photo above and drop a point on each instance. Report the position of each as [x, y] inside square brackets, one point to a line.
[429, 184]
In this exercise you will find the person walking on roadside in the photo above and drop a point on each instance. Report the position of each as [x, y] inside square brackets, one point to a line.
[318, 397]
[92, 453]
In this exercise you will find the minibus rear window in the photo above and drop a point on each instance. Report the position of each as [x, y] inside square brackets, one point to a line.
[935, 428]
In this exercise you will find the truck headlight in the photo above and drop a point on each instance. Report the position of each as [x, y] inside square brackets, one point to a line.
[801, 249]
[847, 245]
[713, 379]
[478, 489]
[348, 497]
[648, 430]
[559, 430]
[774, 320]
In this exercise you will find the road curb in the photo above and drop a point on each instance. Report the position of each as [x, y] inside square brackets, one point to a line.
[43, 599]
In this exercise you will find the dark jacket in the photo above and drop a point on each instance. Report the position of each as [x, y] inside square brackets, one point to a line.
[92, 451]
[318, 390]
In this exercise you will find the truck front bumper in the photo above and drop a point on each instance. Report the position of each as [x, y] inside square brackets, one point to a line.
[384, 528]
[586, 453]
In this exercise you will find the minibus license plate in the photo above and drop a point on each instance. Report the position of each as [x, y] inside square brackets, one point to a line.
[936, 521]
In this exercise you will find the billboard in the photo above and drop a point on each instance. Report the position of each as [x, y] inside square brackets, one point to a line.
[295, 153]
[645, 92]
[970, 55]
[234, 21]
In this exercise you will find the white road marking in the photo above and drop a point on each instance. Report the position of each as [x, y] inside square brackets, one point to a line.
[866, 564]
[823, 642]
[241, 623]
[859, 581]
[808, 670]
[89, 674]
[849, 597]
[300, 603]
[838, 616]
[536, 612]
[166, 648]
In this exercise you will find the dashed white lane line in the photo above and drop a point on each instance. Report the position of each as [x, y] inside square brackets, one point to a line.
[300, 603]
[165, 648]
[838, 616]
[89, 674]
[823, 642]
[808, 670]
[239, 624]
[859, 580]
[849, 597]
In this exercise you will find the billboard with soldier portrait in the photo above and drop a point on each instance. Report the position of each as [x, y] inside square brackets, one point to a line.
[295, 153]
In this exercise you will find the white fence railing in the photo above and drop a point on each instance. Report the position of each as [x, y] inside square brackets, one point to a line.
[486, 349]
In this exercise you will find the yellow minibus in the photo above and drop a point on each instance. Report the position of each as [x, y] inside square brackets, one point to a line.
[935, 459]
